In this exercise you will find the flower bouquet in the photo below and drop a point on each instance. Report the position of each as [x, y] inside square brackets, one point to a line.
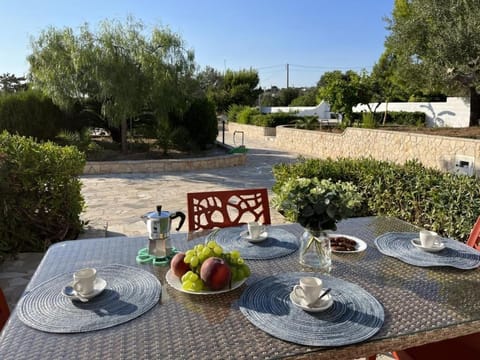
[317, 205]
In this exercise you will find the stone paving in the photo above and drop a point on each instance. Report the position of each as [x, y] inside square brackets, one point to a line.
[114, 203]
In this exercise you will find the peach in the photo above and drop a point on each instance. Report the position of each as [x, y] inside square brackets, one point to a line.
[178, 266]
[215, 273]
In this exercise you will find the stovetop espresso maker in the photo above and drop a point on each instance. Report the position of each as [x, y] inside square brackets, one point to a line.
[158, 227]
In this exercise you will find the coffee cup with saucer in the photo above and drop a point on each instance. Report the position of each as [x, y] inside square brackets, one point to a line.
[308, 295]
[255, 232]
[428, 241]
[321, 304]
[85, 286]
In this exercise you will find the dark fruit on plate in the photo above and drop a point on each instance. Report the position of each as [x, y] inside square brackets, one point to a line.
[215, 273]
[341, 243]
[178, 266]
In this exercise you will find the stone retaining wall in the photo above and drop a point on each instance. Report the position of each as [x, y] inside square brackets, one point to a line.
[156, 166]
[440, 152]
[252, 131]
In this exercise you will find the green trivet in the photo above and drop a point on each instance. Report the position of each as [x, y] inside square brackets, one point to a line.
[143, 257]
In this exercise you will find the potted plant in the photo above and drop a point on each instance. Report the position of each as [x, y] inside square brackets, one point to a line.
[317, 205]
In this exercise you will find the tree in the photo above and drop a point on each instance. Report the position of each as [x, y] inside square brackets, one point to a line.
[10, 83]
[308, 97]
[287, 95]
[212, 83]
[118, 67]
[436, 44]
[279, 97]
[268, 98]
[242, 86]
[343, 91]
[232, 87]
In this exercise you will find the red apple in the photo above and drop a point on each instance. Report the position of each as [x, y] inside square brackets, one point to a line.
[178, 266]
[215, 273]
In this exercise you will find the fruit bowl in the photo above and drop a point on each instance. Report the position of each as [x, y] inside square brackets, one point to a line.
[208, 269]
[175, 282]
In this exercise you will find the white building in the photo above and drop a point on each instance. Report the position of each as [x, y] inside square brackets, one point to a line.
[322, 110]
[455, 112]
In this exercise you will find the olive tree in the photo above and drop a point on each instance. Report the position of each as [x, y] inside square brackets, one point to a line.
[118, 66]
[436, 44]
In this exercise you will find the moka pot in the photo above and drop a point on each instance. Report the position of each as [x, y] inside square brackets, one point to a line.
[158, 227]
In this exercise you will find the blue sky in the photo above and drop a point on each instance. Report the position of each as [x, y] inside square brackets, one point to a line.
[312, 36]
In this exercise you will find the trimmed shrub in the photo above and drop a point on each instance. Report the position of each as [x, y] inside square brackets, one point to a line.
[245, 115]
[40, 199]
[193, 130]
[252, 116]
[368, 120]
[281, 118]
[201, 122]
[182, 139]
[233, 112]
[443, 202]
[29, 113]
[307, 123]
[416, 118]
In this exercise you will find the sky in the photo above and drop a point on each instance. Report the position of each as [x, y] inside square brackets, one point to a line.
[311, 36]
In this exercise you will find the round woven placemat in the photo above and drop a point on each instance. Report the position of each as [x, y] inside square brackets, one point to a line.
[456, 254]
[278, 243]
[129, 293]
[354, 316]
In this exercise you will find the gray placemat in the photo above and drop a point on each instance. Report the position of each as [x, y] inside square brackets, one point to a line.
[129, 293]
[278, 243]
[456, 254]
[354, 316]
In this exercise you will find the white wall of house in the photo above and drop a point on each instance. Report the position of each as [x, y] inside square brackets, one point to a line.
[322, 110]
[455, 112]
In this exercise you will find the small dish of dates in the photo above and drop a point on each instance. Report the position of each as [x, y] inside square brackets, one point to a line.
[346, 243]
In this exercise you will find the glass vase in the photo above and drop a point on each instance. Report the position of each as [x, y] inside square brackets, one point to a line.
[315, 251]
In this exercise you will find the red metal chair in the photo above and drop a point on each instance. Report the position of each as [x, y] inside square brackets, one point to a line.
[218, 209]
[4, 310]
[464, 347]
[474, 238]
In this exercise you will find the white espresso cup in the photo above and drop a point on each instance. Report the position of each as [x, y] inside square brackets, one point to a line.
[309, 289]
[429, 239]
[84, 280]
[255, 229]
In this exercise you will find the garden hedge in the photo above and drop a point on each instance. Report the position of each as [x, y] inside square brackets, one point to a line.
[414, 118]
[251, 116]
[29, 113]
[40, 199]
[443, 202]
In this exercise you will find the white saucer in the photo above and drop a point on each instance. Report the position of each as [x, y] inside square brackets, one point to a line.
[416, 242]
[98, 287]
[320, 305]
[245, 235]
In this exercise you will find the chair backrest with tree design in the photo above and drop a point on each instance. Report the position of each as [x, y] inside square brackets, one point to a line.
[218, 209]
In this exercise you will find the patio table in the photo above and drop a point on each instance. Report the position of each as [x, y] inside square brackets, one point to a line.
[421, 305]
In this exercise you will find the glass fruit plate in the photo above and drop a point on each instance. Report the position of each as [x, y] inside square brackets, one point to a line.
[175, 282]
